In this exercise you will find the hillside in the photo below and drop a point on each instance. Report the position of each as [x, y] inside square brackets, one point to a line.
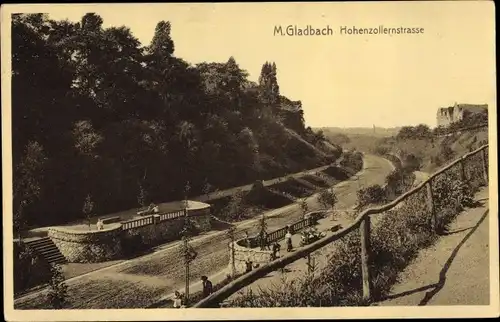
[103, 123]
[433, 151]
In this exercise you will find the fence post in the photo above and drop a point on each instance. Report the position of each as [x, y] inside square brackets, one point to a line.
[485, 165]
[365, 257]
[462, 169]
[430, 205]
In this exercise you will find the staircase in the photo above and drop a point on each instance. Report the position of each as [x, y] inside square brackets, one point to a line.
[46, 248]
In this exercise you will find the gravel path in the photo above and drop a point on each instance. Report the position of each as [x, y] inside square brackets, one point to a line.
[141, 282]
[455, 271]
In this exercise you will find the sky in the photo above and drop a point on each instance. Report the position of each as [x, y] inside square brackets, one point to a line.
[342, 80]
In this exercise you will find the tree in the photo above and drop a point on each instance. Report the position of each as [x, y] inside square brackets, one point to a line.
[327, 198]
[58, 289]
[207, 189]
[105, 108]
[88, 209]
[142, 197]
[262, 226]
[187, 188]
[236, 208]
[188, 253]
[304, 207]
[19, 219]
[28, 179]
[268, 83]
[162, 44]
[231, 235]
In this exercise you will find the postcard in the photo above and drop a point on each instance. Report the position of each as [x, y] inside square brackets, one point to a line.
[249, 160]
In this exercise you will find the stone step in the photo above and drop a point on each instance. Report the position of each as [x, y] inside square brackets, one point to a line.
[41, 241]
[46, 248]
[50, 251]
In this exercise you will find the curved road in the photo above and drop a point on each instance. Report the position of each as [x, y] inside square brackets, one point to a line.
[142, 281]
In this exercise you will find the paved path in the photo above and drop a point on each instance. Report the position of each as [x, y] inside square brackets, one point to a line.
[140, 282]
[454, 271]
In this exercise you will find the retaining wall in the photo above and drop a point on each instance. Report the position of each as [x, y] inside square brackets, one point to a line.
[242, 254]
[82, 246]
[88, 246]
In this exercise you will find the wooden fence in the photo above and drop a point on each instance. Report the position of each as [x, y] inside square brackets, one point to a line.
[478, 170]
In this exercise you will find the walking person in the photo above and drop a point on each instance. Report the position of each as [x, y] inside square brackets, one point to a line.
[248, 265]
[276, 250]
[100, 224]
[207, 286]
[177, 300]
[288, 239]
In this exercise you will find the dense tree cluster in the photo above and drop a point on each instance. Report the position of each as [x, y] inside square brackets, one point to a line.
[99, 118]
[420, 131]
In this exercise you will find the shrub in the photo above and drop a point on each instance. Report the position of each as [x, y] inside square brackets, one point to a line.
[236, 208]
[57, 288]
[353, 160]
[451, 195]
[370, 195]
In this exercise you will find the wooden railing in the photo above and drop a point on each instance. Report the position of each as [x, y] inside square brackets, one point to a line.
[299, 225]
[362, 223]
[149, 220]
[172, 215]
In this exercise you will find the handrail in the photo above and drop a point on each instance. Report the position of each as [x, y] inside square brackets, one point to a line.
[252, 276]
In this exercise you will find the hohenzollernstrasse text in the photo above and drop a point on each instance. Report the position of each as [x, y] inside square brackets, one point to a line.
[309, 30]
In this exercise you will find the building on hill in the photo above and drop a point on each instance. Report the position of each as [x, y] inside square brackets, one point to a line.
[457, 112]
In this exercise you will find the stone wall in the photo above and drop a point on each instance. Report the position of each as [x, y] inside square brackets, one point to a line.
[114, 242]
[201, 218]
[242, 254]
[88, 246]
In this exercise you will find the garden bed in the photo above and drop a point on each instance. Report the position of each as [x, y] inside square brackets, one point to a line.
[294, 188]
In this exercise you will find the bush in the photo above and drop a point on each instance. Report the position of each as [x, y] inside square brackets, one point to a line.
[371, 195]
[451, 196]
[353, 160]
[58, 289]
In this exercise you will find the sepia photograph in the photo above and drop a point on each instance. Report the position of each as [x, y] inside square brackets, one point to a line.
[163, 159]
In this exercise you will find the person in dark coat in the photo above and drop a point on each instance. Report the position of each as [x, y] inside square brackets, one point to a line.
[276, 250]
[207, 286]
